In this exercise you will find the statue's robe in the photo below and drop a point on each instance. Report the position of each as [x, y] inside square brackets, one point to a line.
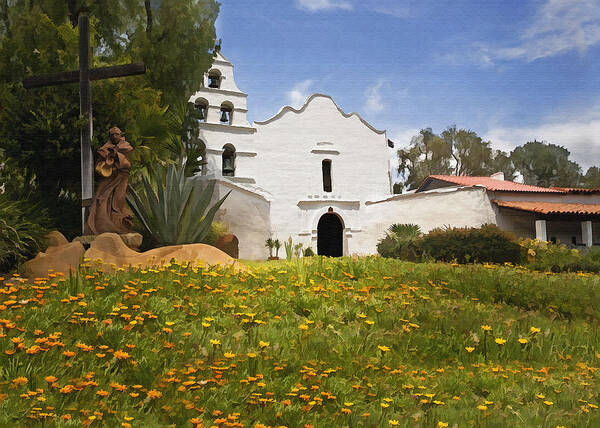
[109, 212]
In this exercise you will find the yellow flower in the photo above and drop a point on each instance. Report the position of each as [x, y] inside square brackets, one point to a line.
[369, 322]
[205, 324]
[535, 330]
[523, 340]
[383, 348]
[469, 349]
[229, 355]
[500, 341]
[385, 405]
[121, 355]
[348, 404]
[486, 327]
[548, 403]
[264, 344]
[21, 380]
[154, 394]
[215, 342]
[303, 327]
[482, 407]
[393, 422]
[540, 396]
[442, 424]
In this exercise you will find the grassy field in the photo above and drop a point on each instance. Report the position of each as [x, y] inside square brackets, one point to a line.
[325, 343]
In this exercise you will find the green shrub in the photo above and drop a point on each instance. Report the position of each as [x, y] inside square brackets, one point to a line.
[402, 241]
[308, 252]
[175, 210]
[546, 256]
[21, 238]
[488, 244]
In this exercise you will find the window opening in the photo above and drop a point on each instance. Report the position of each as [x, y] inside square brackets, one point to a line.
[326, 166]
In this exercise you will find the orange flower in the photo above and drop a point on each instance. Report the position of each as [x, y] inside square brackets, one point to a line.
[50, 379]
[21, 380]
[121, 355]
[154, 394]
[67, 389]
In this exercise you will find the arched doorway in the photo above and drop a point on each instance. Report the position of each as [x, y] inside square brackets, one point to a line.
[330, 240]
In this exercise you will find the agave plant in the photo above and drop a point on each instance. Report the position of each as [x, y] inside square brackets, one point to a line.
[176, 211]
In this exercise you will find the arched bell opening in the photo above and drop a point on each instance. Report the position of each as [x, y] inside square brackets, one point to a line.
[201, 105]
[228, 160]
[330, 235]
[226, 113]
[214, 79]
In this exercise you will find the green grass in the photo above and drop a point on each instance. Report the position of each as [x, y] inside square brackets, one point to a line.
[323, 342]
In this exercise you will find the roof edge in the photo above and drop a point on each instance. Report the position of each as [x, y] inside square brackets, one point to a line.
[287, 108]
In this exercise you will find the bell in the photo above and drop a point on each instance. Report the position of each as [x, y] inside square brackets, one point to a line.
[224, 116]
[214, 82]
[201, 115]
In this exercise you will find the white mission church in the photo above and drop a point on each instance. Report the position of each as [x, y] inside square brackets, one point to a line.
[323, 177]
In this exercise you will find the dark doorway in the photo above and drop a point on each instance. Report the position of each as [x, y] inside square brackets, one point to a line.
[329, 236]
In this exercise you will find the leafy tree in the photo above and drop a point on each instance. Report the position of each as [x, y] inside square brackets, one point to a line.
[455, 152]
[546, 165]
[39, 129]
[427, 154]
[591, 178]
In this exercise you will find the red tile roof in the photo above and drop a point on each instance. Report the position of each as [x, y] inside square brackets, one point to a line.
[550, 207]
[577, 189]
[489, 183]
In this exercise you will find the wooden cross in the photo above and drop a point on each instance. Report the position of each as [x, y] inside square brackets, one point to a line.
[84, 76]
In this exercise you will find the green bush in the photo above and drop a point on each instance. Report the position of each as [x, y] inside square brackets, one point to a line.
[487, 243]
[21, 238]
[402, 241]
[549, 257]
[174, 209]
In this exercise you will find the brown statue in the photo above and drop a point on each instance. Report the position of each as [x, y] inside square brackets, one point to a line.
[109, 212]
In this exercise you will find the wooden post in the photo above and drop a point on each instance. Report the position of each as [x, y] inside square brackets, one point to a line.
[85, 108]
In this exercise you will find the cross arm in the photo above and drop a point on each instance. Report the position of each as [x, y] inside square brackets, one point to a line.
[53, 79]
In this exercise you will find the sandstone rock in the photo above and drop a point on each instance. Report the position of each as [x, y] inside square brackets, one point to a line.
[59, 259]
[56, 239]
[228, 244]
[108, 250]
[132, 240]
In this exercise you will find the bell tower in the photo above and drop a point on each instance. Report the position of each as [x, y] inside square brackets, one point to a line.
[224, 129]
[221, 101]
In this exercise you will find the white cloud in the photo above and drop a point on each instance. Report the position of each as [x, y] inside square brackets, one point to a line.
[559, 26]
[317, 5]
[580, 135]
[374, 101]
[299, 93]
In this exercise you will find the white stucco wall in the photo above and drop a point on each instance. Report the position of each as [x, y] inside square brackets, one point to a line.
[466, 207]
[247, 216]
[291, 147]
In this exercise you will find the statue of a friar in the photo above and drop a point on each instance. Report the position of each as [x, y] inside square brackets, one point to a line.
[109, 212]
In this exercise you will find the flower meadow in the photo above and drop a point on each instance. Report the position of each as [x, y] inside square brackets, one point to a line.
[313, 342]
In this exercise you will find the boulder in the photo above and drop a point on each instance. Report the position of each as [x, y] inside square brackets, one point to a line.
[132, 240]
[60, 258]
[228, 244]
[108, 251]
[56, 239]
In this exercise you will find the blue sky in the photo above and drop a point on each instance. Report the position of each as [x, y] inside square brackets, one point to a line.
[510, 70]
